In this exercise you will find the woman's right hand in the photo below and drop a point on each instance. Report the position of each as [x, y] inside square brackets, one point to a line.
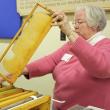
[1, 80]
[8, 76]
[25, 71]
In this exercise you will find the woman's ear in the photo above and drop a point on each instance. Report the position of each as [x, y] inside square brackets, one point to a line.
[95, 28]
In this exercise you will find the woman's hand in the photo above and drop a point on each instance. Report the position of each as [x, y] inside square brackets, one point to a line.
[8, 79]
[1, 80]
[61, 20]
[10, 76]
[25, 71]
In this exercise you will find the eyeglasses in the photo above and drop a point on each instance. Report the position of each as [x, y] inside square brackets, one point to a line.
[78, 22]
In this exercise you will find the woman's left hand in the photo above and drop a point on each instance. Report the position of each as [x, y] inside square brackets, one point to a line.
[60, 19]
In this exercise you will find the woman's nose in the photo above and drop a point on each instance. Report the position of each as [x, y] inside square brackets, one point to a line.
[76, 26]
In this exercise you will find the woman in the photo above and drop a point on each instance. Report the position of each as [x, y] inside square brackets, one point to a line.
[81, 67]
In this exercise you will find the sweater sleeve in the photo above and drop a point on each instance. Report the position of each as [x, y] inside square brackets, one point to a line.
[46, 64]
[95, 59]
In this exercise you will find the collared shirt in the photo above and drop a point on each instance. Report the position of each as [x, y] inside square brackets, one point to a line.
[96, 38]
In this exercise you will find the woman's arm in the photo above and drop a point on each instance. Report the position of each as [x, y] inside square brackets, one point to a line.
[95, 59]
[46, 64]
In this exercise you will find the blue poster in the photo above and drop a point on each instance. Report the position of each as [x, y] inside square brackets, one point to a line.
[10, 20]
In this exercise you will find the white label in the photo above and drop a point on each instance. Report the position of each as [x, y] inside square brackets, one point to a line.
[66, 57]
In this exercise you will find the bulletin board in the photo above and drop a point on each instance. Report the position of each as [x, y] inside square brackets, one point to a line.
[10, 20]
[68, 6]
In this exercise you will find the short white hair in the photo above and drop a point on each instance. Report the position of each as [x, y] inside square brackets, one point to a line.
[95, 16]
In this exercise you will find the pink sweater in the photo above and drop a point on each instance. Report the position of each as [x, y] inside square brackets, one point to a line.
[84, 79]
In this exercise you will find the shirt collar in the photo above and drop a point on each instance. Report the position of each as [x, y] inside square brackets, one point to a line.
[96, 38]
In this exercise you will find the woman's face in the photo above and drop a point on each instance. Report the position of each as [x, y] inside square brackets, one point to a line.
[81, 26]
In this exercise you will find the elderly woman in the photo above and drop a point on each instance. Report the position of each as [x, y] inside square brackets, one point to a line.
[81, 67]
